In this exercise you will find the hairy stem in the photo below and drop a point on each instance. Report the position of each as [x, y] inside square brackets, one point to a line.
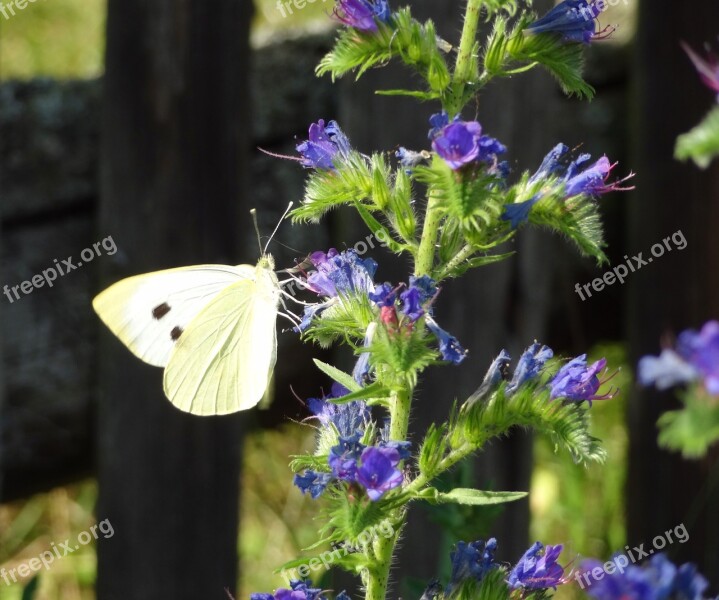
[463, 71]
[428, 243]
[377, 577]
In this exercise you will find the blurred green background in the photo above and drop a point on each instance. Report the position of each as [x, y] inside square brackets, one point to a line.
[65, 39]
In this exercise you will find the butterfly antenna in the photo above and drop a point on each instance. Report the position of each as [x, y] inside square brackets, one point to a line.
[253, 212]
[284, 214]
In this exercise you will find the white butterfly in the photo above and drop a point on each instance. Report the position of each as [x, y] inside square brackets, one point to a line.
[212, 327]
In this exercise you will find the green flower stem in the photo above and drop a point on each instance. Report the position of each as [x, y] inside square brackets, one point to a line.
[428, 244]
[378, 574]
[463, 71]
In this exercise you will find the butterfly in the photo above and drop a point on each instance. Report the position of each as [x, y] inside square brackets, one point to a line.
[212, 328]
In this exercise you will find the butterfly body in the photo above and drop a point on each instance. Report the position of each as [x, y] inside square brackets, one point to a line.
[212, 328]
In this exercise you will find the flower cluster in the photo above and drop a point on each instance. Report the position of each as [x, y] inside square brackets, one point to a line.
[460, 143]
[402, 306]
[573, 178]
[696, 358]
[299, 590]
[336, 274]
[537, 569]
[659, 578]
[574, 20]
[341, 273]
[708, 68]
[576, 381]
[373, 468]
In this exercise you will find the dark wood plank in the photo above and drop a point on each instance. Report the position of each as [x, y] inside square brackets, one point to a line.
[175, 136]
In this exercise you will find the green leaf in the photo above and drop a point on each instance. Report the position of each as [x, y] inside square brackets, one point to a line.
[410, 93]
[701, 144]
[339, 376]
[374, 390]
[469, 496]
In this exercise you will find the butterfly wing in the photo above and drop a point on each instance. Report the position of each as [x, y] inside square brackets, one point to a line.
[149, 312]
[223, 361]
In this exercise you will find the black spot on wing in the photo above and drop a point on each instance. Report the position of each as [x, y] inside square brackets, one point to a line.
[161, 310]
[176, 333]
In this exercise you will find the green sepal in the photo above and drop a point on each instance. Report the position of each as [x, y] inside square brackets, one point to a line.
[468, 496]
[701, 144]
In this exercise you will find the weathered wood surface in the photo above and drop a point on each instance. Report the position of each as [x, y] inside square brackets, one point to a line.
[682, 289]
[50, 148]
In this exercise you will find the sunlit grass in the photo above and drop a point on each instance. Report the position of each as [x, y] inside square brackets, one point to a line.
[54, 38]
[29, 527]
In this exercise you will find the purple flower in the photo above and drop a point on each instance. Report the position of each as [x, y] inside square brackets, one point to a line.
[689, 584]
[324, 144]
[458, 143]
[312, 482]
[538, 569]
[343, 458]
[299, 591]
[341, 273]
[666, 370]
[461, 142]
[412, 303]
[471, 561]
[593, 180]
[518, 212]
[403, 448]
[575, 20]
[383, 295]
[701, 350]
[696, 357]
[348, 418]
[530, 364]
[449, 347]
[362, 14]
[335, 274]
[577, 382]
[708, 68]
[426, 286]
[658, 579]
[379, 473]
[551, 164]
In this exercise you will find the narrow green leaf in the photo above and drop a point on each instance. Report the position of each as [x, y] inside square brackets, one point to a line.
[472, 497]
[374, 390]
[339, 376]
